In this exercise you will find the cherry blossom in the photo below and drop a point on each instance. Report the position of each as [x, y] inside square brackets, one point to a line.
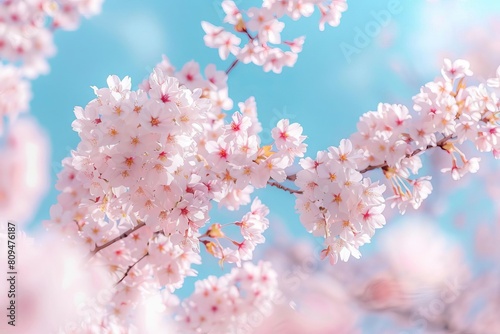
[336, 199]
[138, 189]
[24, 170]
[152, 163]
[224, 162]
[51, 300]
[252, 225]
[25, 37]
[15, 94]
[456, 70]
[344, 207]
[224, 304]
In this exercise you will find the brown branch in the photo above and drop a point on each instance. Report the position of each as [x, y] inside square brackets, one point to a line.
[233, 64]
[369, 168]
[250, 37]
[293, 177]
[130, 268]
[282, 187]
[120, 237]
[440, 144]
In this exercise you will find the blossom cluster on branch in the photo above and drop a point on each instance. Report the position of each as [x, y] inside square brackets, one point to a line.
[139, 187]
[336, 202]
[15, 94]
[26, 41]
[26, 29]
[262, 27]
[225, 304]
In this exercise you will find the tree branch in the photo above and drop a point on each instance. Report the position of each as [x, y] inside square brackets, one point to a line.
[282, 187]
[130, 268]
[233, 64]
[443, 323]
[121, 236]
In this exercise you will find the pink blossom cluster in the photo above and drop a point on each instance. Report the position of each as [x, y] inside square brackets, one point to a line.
[139, 187]
[337, 203]
[138, 164]
[160, 155]
[447, 113]
[251, 226]
[90, 304]
[384, 140]
[262, 27]
[71, 295]
[26, 38]
[330, 10]
[15, 94]
[226, 304]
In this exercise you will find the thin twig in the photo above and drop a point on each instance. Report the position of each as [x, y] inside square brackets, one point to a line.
[282, 187]
[121, 236]
[236, 61]
[250, 37]
[233, 64]
[130, 268]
